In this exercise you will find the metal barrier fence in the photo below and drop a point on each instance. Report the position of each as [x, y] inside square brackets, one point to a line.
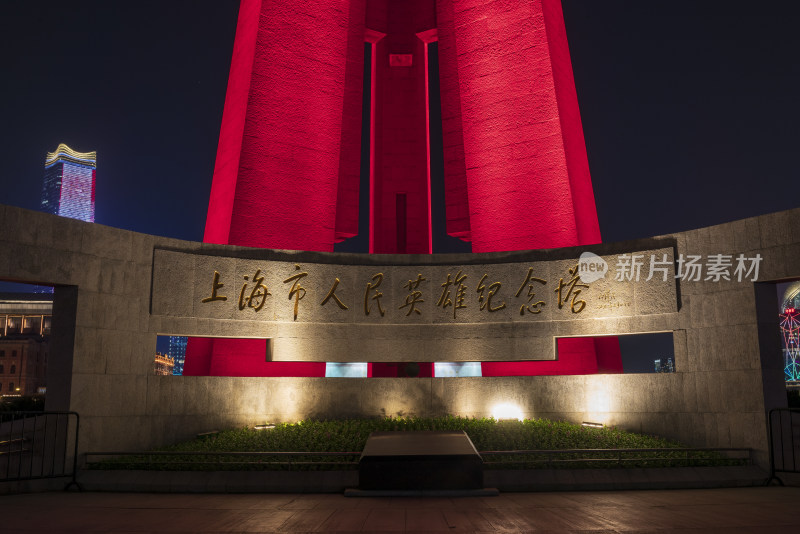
[539, 458]
[784, 442]
[125, 459]
[661, 457]
[36, 445]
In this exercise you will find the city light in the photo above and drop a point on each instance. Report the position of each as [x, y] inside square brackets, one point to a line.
[790, 331]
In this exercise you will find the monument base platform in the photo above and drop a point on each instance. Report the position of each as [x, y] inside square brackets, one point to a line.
[420, 461]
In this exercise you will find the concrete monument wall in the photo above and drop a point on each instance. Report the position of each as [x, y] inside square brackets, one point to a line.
[117, 290]
[350, 307]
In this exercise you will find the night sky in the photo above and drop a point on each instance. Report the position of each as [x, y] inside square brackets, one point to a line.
[689, 108]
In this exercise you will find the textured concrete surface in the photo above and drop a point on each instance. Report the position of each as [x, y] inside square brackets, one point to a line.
[737, 511]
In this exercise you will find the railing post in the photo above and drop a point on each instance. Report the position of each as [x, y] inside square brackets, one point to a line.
[771, 449]
[791, 432]
[33, 445]
[11, 435]
[74, 481]
[44, 442]
[55, 445]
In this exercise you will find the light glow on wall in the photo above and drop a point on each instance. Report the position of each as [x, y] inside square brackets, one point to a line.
[599, 400]
[456, 369]
[346, 370]
[507, 411]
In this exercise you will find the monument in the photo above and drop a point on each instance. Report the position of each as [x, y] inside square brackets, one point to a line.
[115, 291]
[266, 274]
[293, 139]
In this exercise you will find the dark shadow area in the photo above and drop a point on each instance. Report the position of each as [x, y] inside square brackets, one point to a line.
[647, 353]
[442, 242]
[360, 242]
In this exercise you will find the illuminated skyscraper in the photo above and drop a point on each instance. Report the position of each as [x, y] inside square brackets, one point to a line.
[177, 351]
[69, 179]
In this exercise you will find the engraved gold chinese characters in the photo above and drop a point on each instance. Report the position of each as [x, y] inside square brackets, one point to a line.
[455, 293]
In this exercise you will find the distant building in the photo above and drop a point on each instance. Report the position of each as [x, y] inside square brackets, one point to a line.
[69, 181]
[664, 366]
[163, 364]
[177, 351]
[25, 321]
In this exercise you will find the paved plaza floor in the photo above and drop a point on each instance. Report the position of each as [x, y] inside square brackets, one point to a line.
[732, 511]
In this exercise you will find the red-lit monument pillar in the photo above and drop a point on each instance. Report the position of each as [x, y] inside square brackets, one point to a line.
[514, 149]
[286, 152]
[279, 159]
[515, 162]
[287, 169]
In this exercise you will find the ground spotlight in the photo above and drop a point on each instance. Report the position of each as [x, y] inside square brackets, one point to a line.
[507, 412]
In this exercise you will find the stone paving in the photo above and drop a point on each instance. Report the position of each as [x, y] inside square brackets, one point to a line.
[736, 510]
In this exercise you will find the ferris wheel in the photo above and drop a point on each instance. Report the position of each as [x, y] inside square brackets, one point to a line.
[790, 330]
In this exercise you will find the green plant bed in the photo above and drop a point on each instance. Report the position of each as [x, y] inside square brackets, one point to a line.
[350, 435]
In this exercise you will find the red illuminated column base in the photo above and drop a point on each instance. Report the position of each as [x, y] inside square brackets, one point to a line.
[240, 357]
[247, 357]
[576, 356]
[401, 370]
[197, 360]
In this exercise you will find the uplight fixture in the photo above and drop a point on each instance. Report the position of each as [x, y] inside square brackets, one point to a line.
[507, 412]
